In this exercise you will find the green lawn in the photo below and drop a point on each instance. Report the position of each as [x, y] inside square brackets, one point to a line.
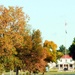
[63, 72]
[46, 73]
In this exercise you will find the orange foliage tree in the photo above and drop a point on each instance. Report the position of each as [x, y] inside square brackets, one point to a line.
[50, 48]
[12, 29]
[34, 53]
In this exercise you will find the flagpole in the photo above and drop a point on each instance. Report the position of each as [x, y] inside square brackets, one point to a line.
[65, 36]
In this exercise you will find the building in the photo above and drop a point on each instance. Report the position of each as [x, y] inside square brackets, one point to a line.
[65, 63]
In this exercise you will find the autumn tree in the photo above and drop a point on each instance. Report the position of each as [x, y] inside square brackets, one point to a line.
[17, 47]
[24, 52]
[37, 51]
[13, 24]
[33, 57]
[50, 48]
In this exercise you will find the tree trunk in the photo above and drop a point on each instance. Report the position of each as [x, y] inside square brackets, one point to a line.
[43, 73]
[16, 70]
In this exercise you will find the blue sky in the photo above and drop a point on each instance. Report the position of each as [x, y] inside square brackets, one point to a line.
[49, 16]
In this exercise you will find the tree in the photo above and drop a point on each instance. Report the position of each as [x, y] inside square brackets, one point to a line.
[62, 49]
[33, 57]
[19, 48]
[59, 54]
[7, 50]
[72, 49]
[50, 47]
[38, 51]
[13, 24]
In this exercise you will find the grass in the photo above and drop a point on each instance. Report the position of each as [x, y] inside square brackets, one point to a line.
[60, 72]
[14, 73]
[46, 73]
[57, 72]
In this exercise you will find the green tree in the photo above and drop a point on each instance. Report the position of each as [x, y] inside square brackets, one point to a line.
[72, 49]
[59, 54]
[62, 49]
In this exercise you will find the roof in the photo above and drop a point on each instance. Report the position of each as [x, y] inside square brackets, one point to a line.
[66, 56]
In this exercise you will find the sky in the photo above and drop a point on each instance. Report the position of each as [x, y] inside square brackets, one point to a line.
[49, 16]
